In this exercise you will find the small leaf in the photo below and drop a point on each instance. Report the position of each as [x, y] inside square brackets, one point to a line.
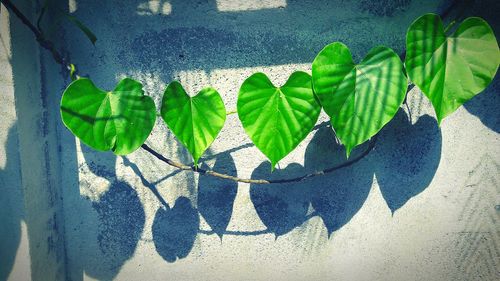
[359, 98]
[120, 120]
[82, 27]
[195, 121]
[451, 70]
[277, 119]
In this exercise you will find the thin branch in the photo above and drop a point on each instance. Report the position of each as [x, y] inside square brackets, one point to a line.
[201, 171]
[62, 61]
[38, 34]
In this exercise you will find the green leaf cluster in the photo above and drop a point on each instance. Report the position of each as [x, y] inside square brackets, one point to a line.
[360, 98]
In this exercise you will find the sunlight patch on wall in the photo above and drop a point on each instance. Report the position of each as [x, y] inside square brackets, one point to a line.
[22, 265]
[154, 7]
[193, 81]
[249, 5]
[7, 106]
[72, 5]
[92, 187]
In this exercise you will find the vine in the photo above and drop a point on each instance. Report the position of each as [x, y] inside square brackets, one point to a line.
[360, 98]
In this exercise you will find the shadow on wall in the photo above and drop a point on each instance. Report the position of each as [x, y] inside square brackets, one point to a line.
[203, 35]
[175, 228]
[12, 205]
[110, 227]
[405, 160]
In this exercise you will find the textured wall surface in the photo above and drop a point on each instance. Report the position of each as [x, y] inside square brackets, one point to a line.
[424, 205]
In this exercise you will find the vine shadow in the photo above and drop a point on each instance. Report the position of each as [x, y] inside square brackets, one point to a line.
[404, 162]
[175, 228]
[103, 233]
[335, 197]
[216, 196]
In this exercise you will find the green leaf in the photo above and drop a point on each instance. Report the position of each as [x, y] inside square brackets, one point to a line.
[195, 121]
[451, 70]
[359, 98]
[120, 120]
[277, 119]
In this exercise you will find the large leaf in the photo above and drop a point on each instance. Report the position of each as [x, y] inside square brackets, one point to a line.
[451, 70]
[359, 98]
[277, 119]
[120, 120]
[195, 121]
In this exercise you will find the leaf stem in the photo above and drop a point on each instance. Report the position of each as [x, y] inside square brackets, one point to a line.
[46, 44]
[231, 112]
[58, 58]
[450, 25]
[201, 171]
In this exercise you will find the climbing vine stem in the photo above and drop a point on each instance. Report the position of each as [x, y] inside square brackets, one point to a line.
[297, 78]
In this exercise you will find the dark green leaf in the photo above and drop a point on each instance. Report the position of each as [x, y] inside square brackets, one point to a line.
[359, 98]
[451, 70]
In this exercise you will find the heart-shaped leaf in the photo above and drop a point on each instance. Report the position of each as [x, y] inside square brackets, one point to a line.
[120, 120]
[195, 121]
[451, 70]
[277, 119]
[359, 98]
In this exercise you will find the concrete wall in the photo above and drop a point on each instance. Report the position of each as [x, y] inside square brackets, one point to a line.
[32, 233]
[424, 205]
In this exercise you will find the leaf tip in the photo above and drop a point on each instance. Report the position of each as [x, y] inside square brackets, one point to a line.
[348, 150]
[440, 120]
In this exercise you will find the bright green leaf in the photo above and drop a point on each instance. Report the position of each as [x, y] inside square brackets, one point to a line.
[359, 98]
[195, 121]
[277, 119]
[451, 70]
[120, 120]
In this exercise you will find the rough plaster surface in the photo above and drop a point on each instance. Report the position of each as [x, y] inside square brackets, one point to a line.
[423, 206]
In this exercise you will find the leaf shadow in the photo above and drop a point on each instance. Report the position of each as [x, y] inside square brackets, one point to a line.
[280, 207]
[337, 196]
[175, 229]
[404, 162]
[105, 230]
[406, 158]
[216, 196]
